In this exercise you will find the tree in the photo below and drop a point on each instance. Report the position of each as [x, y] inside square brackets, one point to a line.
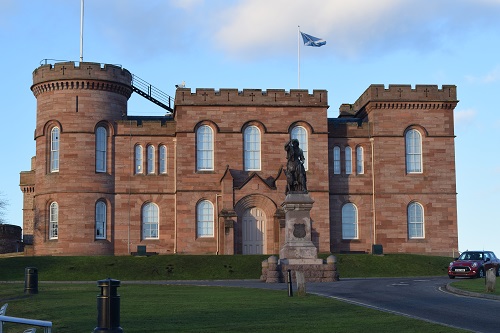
[3, 207]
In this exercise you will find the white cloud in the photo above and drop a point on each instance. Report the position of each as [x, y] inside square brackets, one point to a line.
[351, 28]
[490, 77]
[187, 4]
[464, 116]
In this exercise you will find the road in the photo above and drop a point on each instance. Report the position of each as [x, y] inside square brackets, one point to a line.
[421, 298]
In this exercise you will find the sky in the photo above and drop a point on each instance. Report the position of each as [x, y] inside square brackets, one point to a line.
[254, 44]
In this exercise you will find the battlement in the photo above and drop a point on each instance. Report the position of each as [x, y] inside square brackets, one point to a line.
[81, 71]
[251, 97]
[405, 93]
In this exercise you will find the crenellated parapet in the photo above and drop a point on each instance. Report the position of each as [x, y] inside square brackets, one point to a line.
[404, 96]
[250, 97]
[85, 75]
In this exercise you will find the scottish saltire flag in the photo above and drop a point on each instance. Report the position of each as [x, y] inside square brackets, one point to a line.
[312, 41]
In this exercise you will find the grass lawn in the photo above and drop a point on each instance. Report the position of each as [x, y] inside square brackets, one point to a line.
[161, 308]
[475, 285]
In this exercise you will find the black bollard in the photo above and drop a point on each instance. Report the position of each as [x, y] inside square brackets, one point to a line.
[290, 290]
[30, 280]
[108, 307]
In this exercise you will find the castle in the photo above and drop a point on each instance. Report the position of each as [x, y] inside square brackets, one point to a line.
[208, 178]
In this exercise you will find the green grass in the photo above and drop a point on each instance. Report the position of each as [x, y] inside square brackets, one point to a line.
[162, 308]
[206, 267]
[476, 285]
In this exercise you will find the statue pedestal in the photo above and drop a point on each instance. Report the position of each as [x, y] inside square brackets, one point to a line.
[298, 247]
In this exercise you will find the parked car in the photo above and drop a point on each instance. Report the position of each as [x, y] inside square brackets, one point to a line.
[474, 264]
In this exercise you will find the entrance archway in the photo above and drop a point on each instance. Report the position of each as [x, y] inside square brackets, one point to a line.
[254, 231]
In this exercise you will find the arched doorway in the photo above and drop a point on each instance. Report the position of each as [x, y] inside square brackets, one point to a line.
[254, 231]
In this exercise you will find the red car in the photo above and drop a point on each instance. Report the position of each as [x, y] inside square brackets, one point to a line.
[474, 264]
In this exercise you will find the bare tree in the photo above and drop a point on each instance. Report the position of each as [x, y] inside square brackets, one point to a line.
[3, 207]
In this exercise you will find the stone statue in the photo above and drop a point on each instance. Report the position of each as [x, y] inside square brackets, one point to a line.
[295, 171]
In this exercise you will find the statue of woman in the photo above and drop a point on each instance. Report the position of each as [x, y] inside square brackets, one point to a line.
[295, 171]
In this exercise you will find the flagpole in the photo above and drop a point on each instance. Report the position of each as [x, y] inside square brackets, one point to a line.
[81, 31]
[298, 51]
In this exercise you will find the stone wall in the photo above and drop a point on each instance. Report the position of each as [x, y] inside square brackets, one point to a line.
[10, 238]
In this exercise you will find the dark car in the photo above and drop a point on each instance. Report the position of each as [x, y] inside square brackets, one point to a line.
[474, 264]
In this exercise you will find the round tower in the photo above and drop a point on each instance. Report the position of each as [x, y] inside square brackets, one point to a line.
[77, 106]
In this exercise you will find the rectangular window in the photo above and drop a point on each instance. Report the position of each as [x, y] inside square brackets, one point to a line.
[360, 163]
[163, 159]
[151, 159]
[54, 221]
[138, 159]
[336, 160]
[204, 149]
[100, 220]
[348, 160]
[100, 150]
[54, 150]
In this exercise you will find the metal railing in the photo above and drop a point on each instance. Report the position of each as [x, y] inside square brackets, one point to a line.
[139, 86]
[47, 325]
[152, 93]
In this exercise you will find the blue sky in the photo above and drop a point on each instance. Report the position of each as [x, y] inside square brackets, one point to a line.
[253, 44]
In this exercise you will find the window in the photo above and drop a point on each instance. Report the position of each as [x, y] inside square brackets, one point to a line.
[138, 159]
[54, 150]
[413, 151]
[300, 133]
[360, 161]
[204, 148]
[336, 160]
[100, 149]
[205, 219]
[100, 220]
[349, 221]
[163, 159]
[348, 160]
[54, 221]
[151, 159]
[251, 140]
[415, 220]
[150, 221]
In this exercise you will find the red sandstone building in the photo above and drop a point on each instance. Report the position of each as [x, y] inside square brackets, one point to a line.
[208, 176]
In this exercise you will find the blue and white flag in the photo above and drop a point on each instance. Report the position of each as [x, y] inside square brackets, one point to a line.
[312, 41]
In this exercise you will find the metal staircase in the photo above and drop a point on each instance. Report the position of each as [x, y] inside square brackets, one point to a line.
[152, 93]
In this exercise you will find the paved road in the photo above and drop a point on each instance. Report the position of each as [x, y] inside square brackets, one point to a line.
[422, 298]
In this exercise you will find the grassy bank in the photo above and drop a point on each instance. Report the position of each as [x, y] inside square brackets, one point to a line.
[189, 267]
[157, 308]
[476, 285]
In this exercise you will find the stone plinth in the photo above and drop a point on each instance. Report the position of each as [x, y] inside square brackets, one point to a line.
[298, 254]
[274, 272]
[298, 244]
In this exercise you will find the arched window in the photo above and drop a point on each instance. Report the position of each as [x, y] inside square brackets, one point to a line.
[251, 140]
[360, 161]
[138, 159]
[151, 159]
[336, 160]
[349, 221]
[54, 221]
[163, 159]
[415, 220]
[100, 220]
[54, 150]
[348, 160]
[300, 133]
[150, 221]
[413, 140]
[204, 148]
[205, 219]
[100, 149]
